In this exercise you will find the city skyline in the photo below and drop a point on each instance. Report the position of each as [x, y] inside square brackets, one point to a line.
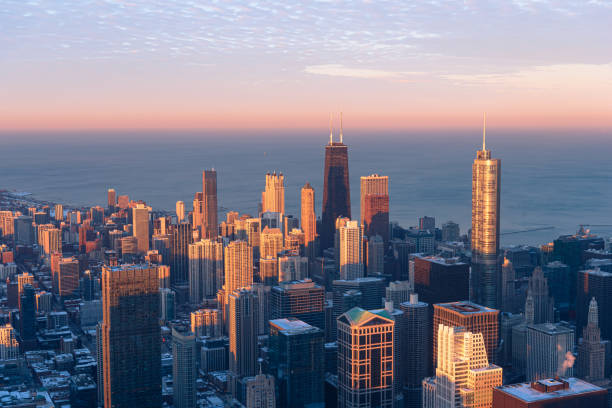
[392, 65]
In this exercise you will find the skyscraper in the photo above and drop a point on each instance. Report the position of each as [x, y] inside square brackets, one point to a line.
[441, 280]
[336, 190]
[594, 283]
[291, 268]
[140, 224]
[271, 242]
[308, 219]
[464, 376]
[180, 211]
[474, 318]
[207, 322]
[273, 197]
[242, 334]
[27, 318]
[549, 351]
[111, 200]
[365, 358]
[179, 253]
[375, 206]
[591, 350]
[131, 336]
[302, 300]
[9, 346]
[183, 367]
[543, 304]
[238, 266]
[486, 184]
[296, 350]
[210, 223]
[351, 250]
[205, 269]
[260, 392]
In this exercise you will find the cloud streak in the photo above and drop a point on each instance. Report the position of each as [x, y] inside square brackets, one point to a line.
[339, 70]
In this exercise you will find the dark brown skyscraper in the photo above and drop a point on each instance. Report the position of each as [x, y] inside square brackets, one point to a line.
[337, 193]
[131, 338]
[210, 224]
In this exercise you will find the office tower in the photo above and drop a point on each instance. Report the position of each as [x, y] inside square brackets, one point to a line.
[260, 392]
[375, 206]
[210, 225]
[163, 273]
[303, 300]
[486, 183]
[371, 292]
[596, 284]
[296, 350]
[441, 280]
[129, 248]
[68, 278]
[273, 197]
[474, 318]
[591, 350]
[543, 304]
[179, 253]
[59, 212]
[23, 230]
[549, 351]
[421, 240]
[23, 279]
[111, 199]
[271, 220]
[398, 292]
[205, 269]
[131, 336]
[351, 251]
[27, 318]
[242, 333]
[308, 220]
[292, 268]
[52, 241]
[414, 342]
[365, 358]
[375, 264]
[161, 244]
[207, 322]
[262, 292]
[9, 346]
[44, 302]
[271, 242]
[508, 301]
[167, 304]
[450, 231]
[140, 224]
[268, 271]
[184, 373]
[100, 363]
[336, 190]
[197, 216]
[464, 377]
[238, 266]
[180, 211]
[558, 276]
[87, 286]
[295, 242]
[550, 393]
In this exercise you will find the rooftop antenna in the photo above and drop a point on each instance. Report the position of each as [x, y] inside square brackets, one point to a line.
[340, 127]
[484, 131]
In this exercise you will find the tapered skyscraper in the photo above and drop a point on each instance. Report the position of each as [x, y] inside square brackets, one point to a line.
[308, 219]
[486, 180]
[210, 225]
[337, 193]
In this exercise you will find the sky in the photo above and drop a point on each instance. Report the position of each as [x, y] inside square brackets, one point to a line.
[162, 64]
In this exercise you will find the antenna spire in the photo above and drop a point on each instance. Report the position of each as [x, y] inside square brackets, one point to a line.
[331, 133]
[484, 131]
[340, 127]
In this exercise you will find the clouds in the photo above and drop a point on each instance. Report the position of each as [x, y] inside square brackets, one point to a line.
[340, 70]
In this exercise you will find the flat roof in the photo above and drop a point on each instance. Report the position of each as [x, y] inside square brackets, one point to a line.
[292, 325]
[442, 261]
[524, 392]
[466, 307]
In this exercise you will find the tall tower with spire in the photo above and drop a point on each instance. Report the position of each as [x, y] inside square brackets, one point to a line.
[336, 191]
[486, 183]
[543, 303]
[591, 350]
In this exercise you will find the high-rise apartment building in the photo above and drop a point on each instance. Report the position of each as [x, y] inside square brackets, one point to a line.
[292, 268]
[464, 377]
[303, 300]
[59, 212]
[180, 211]
[207, 322]
[591, 358]
[131, 336]
[68, 277]
[549, 351]
[52, 240]
[184, 373]
[336, 190]
[140, 226]
[474, 318]
[205, 269]
[296, 350]
[242, 333]
[273, 197]
[179, 253]
[486, 184]
[365, 358]
[351, 250]
[210, 223]
[308, 220]
[238, 266]
[271, 242]
[374, 206]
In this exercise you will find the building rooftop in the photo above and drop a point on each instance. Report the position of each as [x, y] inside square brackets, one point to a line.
[442, 261]
[292, 326]
[549, 389]
[358, 315]
[597, 272]
[551, 328]
[466, 308]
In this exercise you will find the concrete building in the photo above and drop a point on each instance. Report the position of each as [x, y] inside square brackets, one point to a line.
[273, 197]
[549, 351]
[205, 270]
[140, 226]
[351, 251]
[260, 392]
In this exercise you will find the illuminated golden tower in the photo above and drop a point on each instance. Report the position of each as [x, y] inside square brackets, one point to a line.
[486, 179]
[308, 220]
[273, 197]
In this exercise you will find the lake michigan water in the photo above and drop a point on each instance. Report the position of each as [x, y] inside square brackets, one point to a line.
[548, 180]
